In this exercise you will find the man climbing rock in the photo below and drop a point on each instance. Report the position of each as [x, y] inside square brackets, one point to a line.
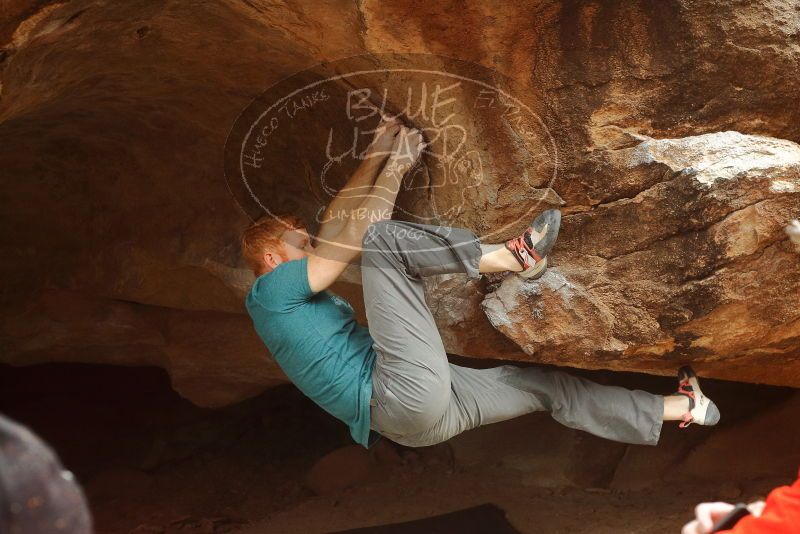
[394, 378]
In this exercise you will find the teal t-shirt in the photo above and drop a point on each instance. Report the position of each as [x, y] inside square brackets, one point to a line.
[316, 340]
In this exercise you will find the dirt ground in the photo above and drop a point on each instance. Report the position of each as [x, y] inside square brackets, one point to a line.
[150, 462]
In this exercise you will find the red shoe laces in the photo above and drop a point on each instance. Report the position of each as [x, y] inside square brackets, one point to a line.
[518, 244]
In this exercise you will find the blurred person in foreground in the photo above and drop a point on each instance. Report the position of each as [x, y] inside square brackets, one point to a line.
[779, 514]
[37, 495]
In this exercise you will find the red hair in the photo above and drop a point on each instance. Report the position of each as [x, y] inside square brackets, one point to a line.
[265, 233]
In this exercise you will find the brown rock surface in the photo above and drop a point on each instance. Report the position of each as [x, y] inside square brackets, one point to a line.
[119, 240]
[695, 268]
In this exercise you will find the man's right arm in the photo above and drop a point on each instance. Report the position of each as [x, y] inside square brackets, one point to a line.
[331, 258]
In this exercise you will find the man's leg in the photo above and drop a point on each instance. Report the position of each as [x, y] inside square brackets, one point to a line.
[411, 380]
[422, 399]
[484, 396]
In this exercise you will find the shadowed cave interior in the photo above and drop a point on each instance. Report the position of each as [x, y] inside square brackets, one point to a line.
[150, 461]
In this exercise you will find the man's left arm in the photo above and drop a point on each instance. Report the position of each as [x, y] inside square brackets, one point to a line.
[360, 184]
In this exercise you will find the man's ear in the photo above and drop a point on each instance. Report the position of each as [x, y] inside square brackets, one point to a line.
[271, 259]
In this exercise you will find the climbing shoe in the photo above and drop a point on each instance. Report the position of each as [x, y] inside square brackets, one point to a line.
[702, 410]
[533, 256]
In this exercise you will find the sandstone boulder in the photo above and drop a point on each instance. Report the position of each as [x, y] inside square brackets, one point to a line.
[695, 268]
[664, 130]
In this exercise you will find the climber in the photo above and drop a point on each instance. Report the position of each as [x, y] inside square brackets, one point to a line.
[394, 379]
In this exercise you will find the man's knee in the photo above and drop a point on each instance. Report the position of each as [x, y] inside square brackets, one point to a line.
[375, 245]
[383, 243]
[550, 386]
[377, 233]
[386, 233]
[568, 397]
[433, 405]
[423, 404]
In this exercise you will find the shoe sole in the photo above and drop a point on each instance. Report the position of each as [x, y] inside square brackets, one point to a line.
[551, 218]
[535, 271]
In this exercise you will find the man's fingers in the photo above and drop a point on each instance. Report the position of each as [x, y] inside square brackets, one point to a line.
[402, 134]
[414, 137]
[409, 143]
[390, 121]
[388, 126]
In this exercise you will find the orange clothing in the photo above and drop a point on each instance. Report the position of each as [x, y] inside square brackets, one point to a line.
[781, 514]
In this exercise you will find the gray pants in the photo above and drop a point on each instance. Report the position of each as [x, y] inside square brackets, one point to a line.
[420, 399]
